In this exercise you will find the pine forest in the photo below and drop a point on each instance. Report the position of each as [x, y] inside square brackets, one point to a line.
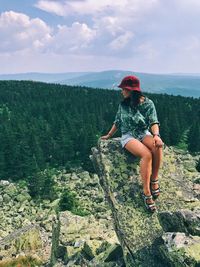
[51, 126]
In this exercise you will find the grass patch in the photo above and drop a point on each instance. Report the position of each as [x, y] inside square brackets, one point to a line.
[21, 261]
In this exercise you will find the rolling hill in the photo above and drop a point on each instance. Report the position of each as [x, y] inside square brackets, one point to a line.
[175, 84]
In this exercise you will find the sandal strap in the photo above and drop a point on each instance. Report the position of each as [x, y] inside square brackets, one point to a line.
[147, 197]
[154, 182]
[151, 205]
[155, 191]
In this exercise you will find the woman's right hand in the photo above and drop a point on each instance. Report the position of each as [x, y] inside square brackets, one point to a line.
[105, 137]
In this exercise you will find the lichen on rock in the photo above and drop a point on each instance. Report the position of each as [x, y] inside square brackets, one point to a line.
[138, 231]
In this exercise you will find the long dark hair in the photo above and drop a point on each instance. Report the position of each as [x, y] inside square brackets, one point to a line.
[133, 100]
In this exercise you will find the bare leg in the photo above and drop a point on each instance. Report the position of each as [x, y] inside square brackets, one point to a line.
[156, 158]
[138, 149]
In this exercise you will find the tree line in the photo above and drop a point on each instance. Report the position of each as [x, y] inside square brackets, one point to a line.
[54, 126]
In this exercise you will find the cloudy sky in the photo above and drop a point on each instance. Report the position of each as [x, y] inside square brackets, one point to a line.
[154, 36]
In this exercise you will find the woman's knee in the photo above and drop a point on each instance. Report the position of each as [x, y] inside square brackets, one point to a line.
[147, 155]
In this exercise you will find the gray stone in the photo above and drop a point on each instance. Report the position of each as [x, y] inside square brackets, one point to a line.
[6, 198]
[22, 197]
[1, 214]
[74, 176]
[137, 230]
[27, 239]
[79, 243]
[4, 183]
[181, 250]
[185, 221]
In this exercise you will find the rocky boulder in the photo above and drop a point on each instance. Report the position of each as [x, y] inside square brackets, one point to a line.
[27, 240]
[29, 227]
[180, 249]
[140, 233]
[87, 241]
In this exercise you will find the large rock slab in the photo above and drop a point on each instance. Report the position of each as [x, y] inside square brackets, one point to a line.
[138, 231]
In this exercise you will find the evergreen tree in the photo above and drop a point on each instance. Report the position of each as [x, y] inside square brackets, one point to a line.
[68, 201]
[193, 141]
[46, 126]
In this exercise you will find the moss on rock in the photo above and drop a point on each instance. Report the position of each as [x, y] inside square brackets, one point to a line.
[137, 230]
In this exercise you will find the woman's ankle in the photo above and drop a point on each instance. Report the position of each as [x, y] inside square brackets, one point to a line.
[147, 192]
[154, 178]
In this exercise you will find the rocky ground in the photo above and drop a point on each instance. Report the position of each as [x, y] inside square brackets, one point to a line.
[117, 230]
[26, 226]
[145, 239]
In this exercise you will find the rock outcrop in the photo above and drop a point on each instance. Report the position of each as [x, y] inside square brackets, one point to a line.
[27, 240]
[116, 229]
[87, 241]
[148, 239]
[34, 228]
[25, 226]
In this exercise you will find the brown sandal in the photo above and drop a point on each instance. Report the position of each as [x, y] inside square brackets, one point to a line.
[155, 192]
[150, 206]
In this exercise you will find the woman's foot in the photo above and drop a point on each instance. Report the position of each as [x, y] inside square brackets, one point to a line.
[149, 203]
[155, 189]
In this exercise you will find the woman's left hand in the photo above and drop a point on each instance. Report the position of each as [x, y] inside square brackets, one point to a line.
[157, 141]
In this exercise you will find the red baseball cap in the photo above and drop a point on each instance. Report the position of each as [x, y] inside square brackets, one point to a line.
[131, 83]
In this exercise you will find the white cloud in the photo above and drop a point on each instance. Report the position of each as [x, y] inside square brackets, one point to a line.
[72, 39]
[121, 41]
[192, 4]
[148, 51]
[65, 8]
[109, 24]
[52, 7]
[18, 32]
[91, 7]
[147, 35]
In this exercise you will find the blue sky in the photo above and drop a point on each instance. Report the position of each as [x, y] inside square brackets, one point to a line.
[153, 36]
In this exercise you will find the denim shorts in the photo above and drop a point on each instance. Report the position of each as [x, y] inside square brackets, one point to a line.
[128, 136]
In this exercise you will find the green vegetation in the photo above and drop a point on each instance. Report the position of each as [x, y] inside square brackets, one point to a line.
[21, 261]
[44, 127]
[193, 136]
[198, 168]
[69, 201]
[42, 184]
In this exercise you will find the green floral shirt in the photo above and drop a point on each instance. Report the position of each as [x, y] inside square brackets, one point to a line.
[136, 120]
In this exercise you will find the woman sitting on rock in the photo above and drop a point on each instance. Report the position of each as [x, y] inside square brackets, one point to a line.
[137, 119]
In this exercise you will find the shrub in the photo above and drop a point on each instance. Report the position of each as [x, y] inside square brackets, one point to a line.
[68, 201]
[42, 184]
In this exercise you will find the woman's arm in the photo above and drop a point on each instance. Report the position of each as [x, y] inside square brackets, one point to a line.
[116, 124]
[154, 124]
[110, 133]
[155, 129]
[156, 135]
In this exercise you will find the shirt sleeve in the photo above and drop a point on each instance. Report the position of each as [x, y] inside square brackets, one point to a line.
[117, 120]
[152, 114]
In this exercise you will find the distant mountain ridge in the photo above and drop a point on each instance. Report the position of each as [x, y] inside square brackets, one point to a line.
[41, 77]
[176, 84]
